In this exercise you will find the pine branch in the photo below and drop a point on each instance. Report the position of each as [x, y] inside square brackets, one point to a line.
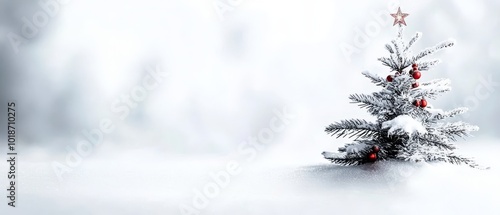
[346, 159]
[353, 127]
[455, 112]
[435, 141]
[398, 52]
[432, 89]
[400, 84]
[388, 62]
[432, 93]
[389, 48]
[422, 113]
[456, 129]
[453, 159]
[441, 81]
[368, 101]
[431, 50]
[413, 40]
[377, 80]
[450, 113]
[401, 60]
[400, 32]
[427, 65]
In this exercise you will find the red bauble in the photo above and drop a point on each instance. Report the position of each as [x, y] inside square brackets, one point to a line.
[414, 66]
[415, 85]
[375, 148]
[389, 78]
[372, 157]
[423, 103]
[416, 74]
[416, 103]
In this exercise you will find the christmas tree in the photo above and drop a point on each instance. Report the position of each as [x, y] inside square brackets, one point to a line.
[406, 126]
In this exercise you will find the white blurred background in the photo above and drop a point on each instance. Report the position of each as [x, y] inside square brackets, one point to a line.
[226, 77]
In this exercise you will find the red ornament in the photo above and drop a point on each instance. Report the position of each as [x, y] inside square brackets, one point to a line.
[375, 148]
[416, 74]
[416, 103]
[372, 157]
[389, 78]
[414, 66]
[415, 85]
[423, 103]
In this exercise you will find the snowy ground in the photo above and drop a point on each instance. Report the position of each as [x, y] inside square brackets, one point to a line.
[144, 182]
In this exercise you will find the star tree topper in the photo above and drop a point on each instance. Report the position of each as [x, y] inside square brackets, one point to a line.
[399, 17]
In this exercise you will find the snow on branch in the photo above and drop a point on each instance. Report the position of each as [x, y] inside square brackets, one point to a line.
[359, 148]
[352, 153]
[413, 40]
[379, 81]
[353, 127]
[431, 50]
[341, 159]
[353, 148]
[403, 124]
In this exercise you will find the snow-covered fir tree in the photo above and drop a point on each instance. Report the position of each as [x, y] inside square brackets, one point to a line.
[406, 127]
